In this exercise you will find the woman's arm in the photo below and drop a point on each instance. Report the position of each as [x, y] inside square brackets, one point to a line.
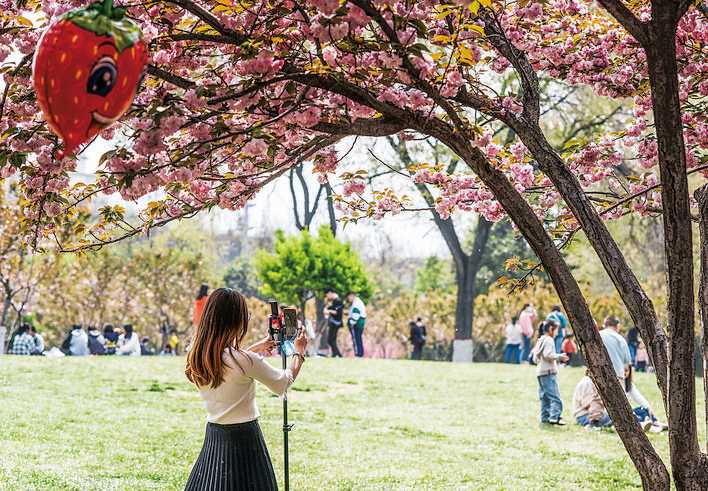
[299, 357]
[265, 345]
[277, 380]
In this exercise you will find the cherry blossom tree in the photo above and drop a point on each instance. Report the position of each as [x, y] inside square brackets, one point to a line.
[239, 92]
[21, 269]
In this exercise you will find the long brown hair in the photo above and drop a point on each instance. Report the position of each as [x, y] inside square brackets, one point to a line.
[224, 324]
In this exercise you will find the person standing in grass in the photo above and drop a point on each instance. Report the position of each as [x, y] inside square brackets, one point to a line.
[199, 303]
[616, 347]
[570, 348]
[512, 350]
[558, 316]
[527, 317]
[418, 335]
[234, 455]
[333, 311]
[546, 359]
[642, 357]
[357, 321]
[3, 334]
[173, 342]
[633, 343]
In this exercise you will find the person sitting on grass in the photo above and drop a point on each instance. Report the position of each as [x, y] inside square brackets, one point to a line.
[128, 342]
[76, 342]
[96, 341]
[643, 411]
[590, 411]
[546, 359]
[146, 348]
[234, 455]
[588, 408]
[38, 341]
[111, 339]
[22, 342]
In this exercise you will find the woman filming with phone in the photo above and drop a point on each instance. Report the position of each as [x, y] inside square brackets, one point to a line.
[234, 455]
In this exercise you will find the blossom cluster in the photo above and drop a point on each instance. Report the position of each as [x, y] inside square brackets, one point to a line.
[238, 92]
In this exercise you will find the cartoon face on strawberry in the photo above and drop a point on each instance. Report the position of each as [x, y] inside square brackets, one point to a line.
[86, 71]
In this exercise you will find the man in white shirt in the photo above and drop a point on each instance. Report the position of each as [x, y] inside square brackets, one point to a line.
[616, 346]
[357, 321]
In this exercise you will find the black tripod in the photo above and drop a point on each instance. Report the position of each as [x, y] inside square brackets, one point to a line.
[277, 333]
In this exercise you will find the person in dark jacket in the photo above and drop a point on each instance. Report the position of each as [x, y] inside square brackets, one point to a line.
[146, 348]
[417, 337]
[633, 343]
[96, 341]
[111, 338]
[333, 311]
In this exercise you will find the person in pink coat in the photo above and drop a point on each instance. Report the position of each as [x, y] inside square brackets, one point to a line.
[527, 317]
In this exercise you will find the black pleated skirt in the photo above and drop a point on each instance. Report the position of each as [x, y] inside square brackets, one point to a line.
[233, 458]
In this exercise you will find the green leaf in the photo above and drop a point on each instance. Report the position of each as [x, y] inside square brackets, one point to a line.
[95, 19]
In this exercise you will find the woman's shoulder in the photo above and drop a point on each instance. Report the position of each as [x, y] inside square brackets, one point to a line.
[236, 358]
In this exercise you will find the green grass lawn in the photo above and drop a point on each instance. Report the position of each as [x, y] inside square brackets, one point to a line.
[133, 424]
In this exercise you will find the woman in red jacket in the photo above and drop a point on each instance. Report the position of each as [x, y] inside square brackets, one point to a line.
[199, 304]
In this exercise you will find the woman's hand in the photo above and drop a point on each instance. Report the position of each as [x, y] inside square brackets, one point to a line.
[301, 342]
[265, 345]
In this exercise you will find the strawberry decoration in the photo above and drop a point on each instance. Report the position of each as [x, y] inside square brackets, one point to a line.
[86, 71]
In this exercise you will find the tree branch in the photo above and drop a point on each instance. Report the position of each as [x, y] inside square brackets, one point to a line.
[629, 21]
[209, 19]
[180, 82]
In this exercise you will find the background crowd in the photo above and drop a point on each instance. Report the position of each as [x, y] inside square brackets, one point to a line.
[123, 341]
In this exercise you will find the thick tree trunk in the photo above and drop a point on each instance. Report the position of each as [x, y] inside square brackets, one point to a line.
[465, 301]
[466, 278]
[701, 196]
[5, 310]
[661, 57]
[658, 38]
[638, 304]
[466, 265]
[527, 127]
[648, 463]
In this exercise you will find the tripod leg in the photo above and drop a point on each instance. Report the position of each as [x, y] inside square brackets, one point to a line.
[286, 429]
